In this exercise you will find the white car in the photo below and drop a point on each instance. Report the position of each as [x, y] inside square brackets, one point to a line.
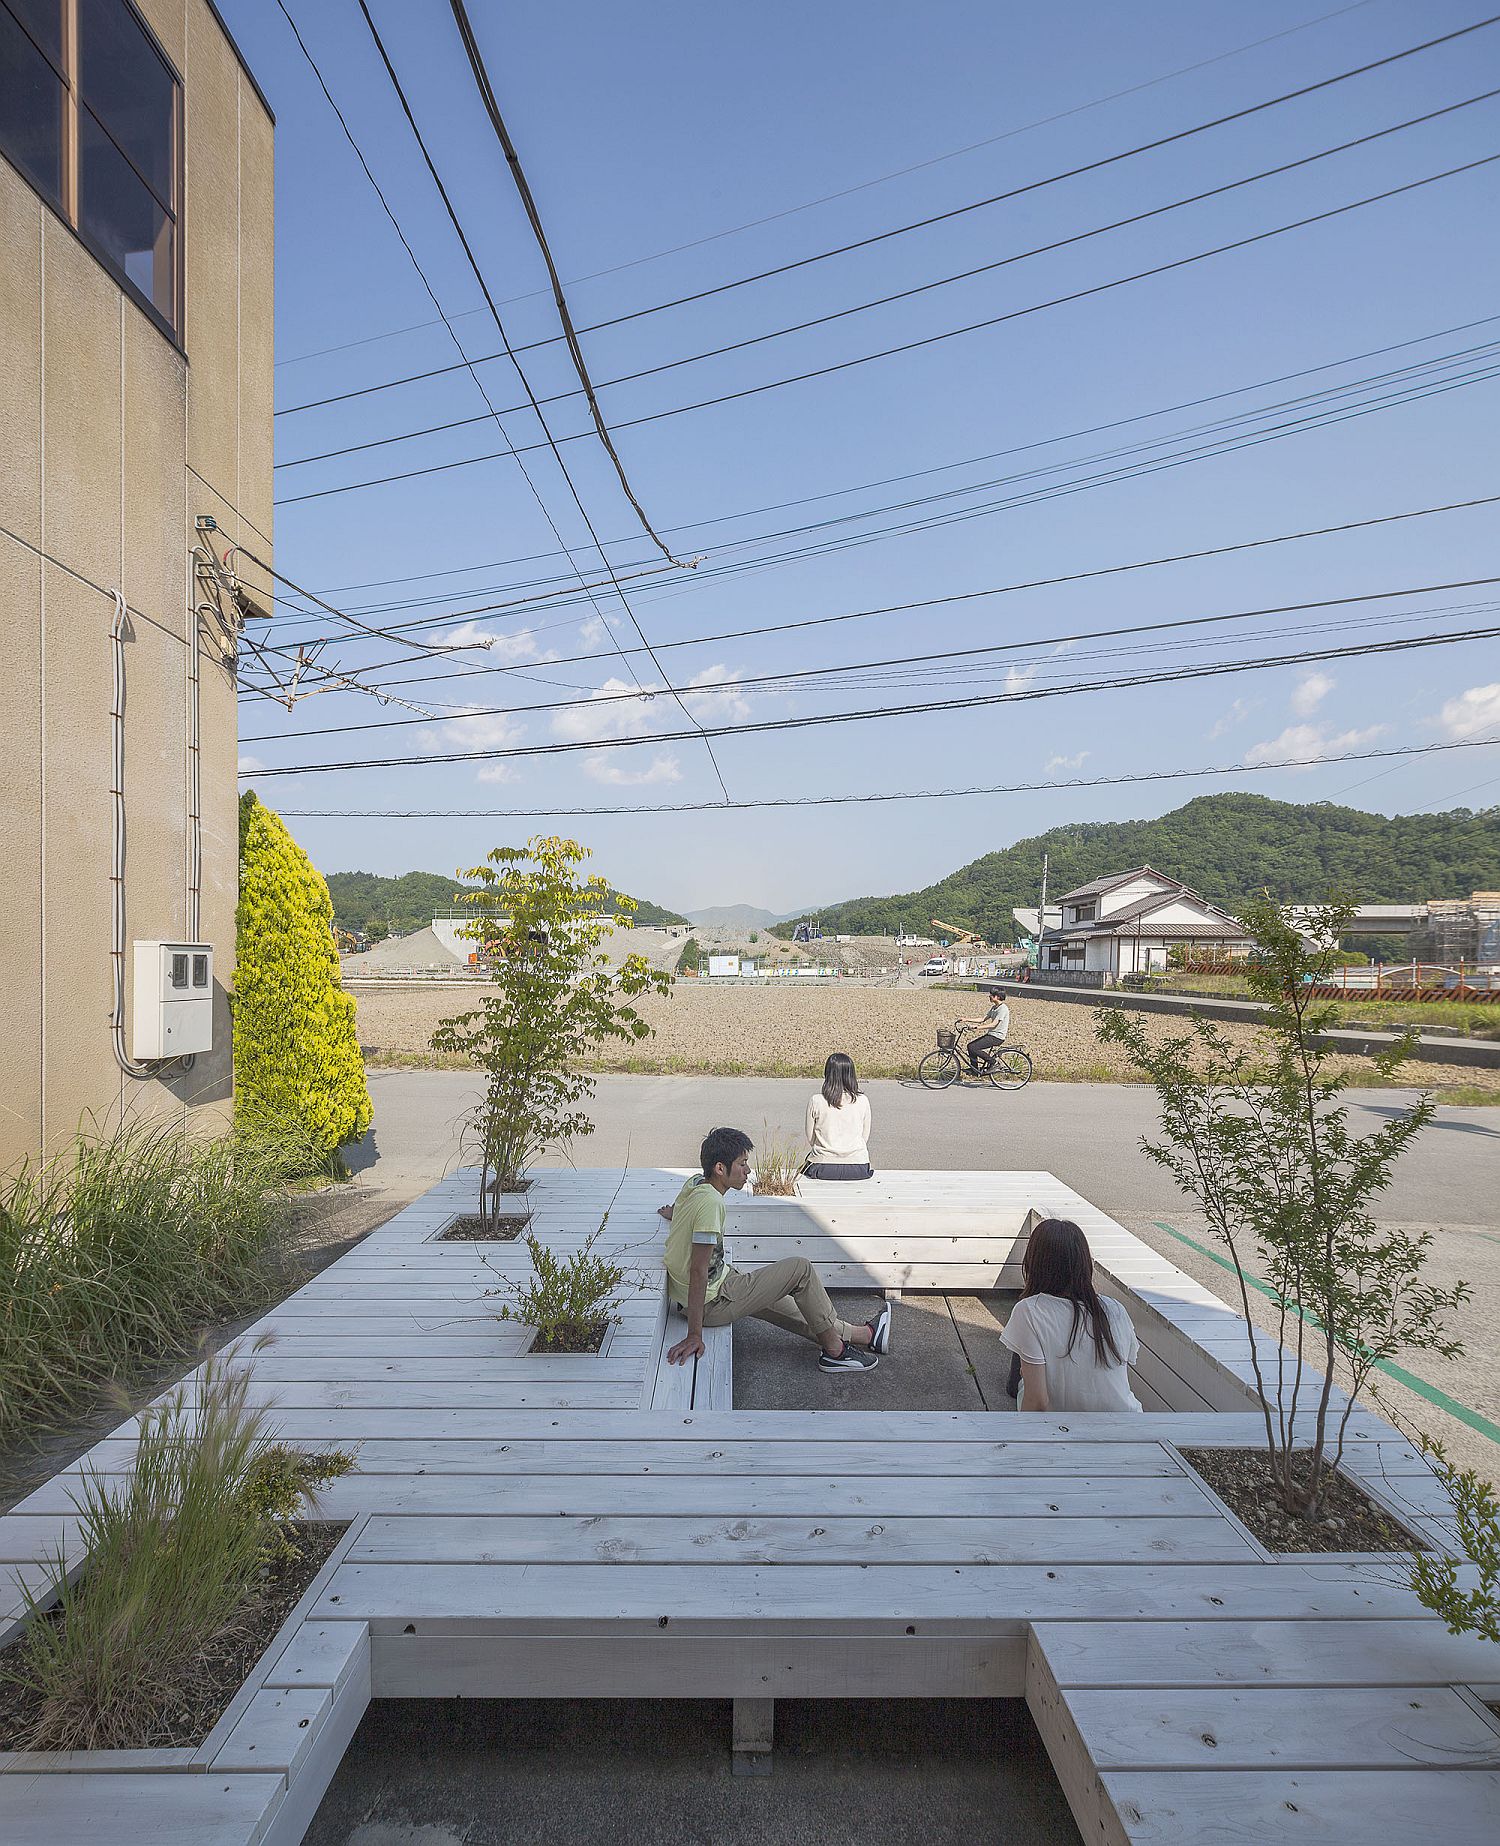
[933, 966]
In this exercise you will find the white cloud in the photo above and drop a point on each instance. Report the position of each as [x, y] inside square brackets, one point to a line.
[1054, 763]
[620, 709]
[475, 729]
[1017, 679]
[1471, 712]
[615, 709]
[593, 630]
[721, 705]
[249, 764]
[1237, 714]
[604, 766]
[1310, 693]
[519, 646]
[1311, 740]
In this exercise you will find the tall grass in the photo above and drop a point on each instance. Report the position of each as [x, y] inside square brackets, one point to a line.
[779, 1161]
[117, 1252]
[172, 1560]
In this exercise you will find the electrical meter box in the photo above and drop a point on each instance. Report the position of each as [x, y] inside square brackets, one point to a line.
[174, 999]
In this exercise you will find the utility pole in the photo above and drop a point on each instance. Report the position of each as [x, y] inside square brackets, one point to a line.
[1041, 917]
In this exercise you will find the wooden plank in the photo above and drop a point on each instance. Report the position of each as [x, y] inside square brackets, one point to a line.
[1409, 1807]
[323, 1654]
[167, 1810]
[276, 1730]
[471, 1597]
[1328, 1727]
[1358, 1653]
[813, 1538]
[666, 1663]
[745, 1496]
[541, 1367]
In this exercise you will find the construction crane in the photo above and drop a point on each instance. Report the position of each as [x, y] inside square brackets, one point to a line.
[962, 938]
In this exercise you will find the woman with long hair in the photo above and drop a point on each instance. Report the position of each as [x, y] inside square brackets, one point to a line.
[1073, 1344]
[838, 1124]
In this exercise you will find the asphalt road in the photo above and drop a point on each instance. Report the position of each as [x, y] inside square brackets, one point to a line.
[1087, 1134]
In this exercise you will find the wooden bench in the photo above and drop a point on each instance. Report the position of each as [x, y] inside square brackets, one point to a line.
[705, 1383]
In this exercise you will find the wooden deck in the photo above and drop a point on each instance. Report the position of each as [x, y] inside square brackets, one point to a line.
[609, 1526]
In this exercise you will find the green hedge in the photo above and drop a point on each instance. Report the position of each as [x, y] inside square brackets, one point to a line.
[296, 1050]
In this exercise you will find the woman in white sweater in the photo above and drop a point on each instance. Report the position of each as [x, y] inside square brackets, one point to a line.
[838, 1124]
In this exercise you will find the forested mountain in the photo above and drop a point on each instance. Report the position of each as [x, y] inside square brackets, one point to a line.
[413, 899]
[1227, 847]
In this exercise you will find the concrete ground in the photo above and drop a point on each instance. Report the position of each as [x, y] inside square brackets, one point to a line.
[559, 1772]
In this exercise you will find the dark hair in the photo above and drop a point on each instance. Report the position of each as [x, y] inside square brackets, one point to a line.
[1058, 1262]
[722, 1147]
[839, 1079]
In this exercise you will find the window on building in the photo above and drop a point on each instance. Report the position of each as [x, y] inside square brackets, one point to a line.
[91, 114]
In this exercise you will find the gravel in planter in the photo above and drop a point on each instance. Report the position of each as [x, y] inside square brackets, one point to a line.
[474, 1229]
[1351, 1520]
[206, 1681]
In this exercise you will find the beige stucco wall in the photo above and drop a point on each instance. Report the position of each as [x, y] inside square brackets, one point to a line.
[111, 442]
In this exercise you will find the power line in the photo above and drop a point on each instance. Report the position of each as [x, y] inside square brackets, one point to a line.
[453, 218]
[534, 219]
[919, 708]
[933, 339]
[920, 288]
[1010, 589]
[866, 798]
[980, 204]
[1374, 352]
[1326, 411]
[601, 701]
[826, 198]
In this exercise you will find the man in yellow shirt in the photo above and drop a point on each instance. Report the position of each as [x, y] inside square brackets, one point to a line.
[787, 1294]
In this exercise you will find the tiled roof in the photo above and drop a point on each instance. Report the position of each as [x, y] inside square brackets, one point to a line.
[1098, 886]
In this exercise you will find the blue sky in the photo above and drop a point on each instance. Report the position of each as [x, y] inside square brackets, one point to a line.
[644, 129]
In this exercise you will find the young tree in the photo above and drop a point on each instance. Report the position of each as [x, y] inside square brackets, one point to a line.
[555, 999]
[296, 1051]
[1260, 1139]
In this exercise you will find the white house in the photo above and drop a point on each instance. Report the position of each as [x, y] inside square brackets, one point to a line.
[1125, 924]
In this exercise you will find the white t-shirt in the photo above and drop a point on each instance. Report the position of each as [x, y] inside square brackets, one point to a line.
[839, 1136]
[1037, 1331]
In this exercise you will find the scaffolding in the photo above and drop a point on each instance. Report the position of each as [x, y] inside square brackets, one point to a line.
[1463, 930]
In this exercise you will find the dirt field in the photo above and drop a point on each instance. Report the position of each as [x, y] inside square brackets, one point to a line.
[777, 1032]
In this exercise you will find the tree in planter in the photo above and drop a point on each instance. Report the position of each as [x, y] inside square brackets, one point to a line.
[297, 1062]
[1260, 1139]
[569, 1300]
[555, 1000]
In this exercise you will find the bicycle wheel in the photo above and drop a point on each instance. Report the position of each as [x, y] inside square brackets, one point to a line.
[938, 1069]
[1011, 1070]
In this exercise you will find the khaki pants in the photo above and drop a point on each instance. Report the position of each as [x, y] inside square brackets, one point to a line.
[788, 1294]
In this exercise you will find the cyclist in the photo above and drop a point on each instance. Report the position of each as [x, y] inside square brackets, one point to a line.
[994, 1028]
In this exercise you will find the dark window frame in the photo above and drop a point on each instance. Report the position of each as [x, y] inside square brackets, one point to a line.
[74, 108]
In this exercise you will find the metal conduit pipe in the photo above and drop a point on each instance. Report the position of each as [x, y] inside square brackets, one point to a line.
[117, 863]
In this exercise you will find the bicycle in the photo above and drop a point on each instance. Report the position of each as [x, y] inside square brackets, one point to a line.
[1009, 1068]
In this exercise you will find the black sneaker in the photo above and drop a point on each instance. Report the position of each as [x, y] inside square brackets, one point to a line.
[851, 1359]
[880, 1330]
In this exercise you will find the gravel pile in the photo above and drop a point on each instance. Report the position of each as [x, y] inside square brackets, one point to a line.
[772, 1031]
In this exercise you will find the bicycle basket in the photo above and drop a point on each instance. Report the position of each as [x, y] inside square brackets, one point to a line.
[947, 1040]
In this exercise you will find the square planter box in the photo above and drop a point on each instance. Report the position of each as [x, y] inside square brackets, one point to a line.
[257, 1777]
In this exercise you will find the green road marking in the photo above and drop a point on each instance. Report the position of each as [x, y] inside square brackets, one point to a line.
[1461, 1412]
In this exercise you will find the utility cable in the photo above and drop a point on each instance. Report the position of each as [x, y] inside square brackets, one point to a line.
[997, 198]
[1193, 403]
[1228, 435]
[920, 288]
[919, 708]
[531, 396]
[534, 219]
[792, 211]
[602, 701]
[866, 798]
[933, 339]
[1011, 589]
